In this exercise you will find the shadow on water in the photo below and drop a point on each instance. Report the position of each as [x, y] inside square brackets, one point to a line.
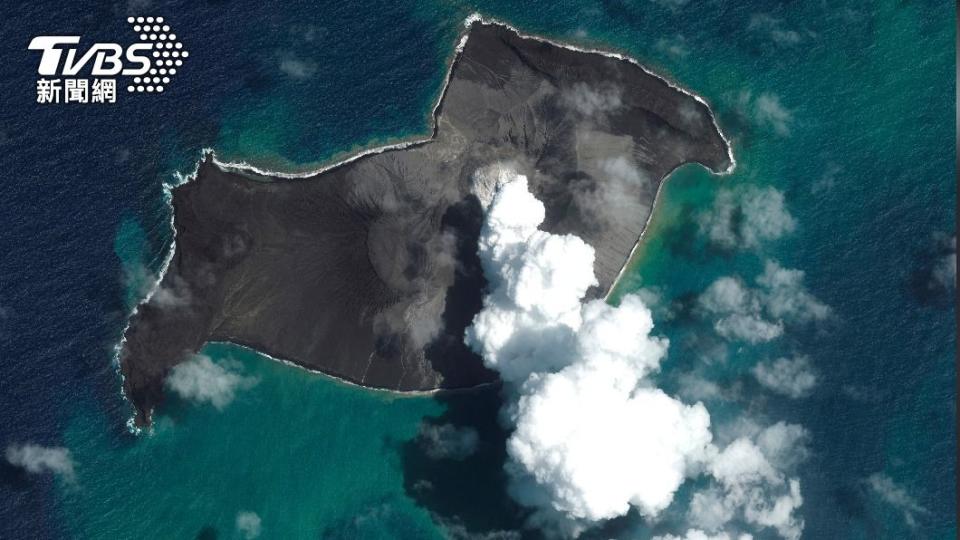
[466, 494]
[207, 533]
[851, 500]
[12, 477]
[683, 239]
[469, 495]
[378, 519]
[930, 280]
[448, 354]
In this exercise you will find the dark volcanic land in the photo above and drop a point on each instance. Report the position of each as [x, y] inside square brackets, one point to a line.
[368, 270]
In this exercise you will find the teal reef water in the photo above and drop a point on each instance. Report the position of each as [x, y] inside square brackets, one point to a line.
[845, 108]
[262, 453]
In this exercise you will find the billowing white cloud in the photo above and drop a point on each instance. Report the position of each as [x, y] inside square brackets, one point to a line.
[896, 496]
[750, 485]
[574, 370]
[202, 380]
[592, 435]
[592, 450]
[249, 525]
[746, 217]
[446, 441]
[792, 377]
[758, 314]
[533, 303]
[40, 459]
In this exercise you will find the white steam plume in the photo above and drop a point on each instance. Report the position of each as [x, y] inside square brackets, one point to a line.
[592, 435]
[589, 440]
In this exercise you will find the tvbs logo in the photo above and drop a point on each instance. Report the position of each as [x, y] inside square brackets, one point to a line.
[149, 65]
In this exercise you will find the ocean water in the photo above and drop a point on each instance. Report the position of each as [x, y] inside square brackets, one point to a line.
[860, 143]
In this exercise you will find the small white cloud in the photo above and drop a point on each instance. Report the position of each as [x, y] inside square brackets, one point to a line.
[202, 380]
[785, 445]
[696, 534]
[827, 181]
[709, 510]
[771, 112]
[249, 525]
[746, 217]
[765, 111]
[758, 314]
[675, 47]
[40, 459]
[750, 328]
[774, 29]
[740, 462]
[694, 388]
[446, 441]
[896, 496]
[785, 296]
[298, 69]
[750, 484]
[454, 529]
[792, 377]
[944, 272]
[741, 312]
[655, 299]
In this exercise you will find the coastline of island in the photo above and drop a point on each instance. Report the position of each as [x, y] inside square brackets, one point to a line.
[247, 169]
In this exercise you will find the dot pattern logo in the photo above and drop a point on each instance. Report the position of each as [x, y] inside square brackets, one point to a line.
[167, 56]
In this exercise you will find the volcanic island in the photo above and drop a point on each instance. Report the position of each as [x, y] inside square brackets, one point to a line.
[367, 270]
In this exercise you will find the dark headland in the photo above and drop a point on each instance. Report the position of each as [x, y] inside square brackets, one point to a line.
[368, 270]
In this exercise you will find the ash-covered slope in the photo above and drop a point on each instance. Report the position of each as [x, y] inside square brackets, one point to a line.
[368, 271]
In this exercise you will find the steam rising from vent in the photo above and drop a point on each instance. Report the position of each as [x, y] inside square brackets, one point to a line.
[592, 434]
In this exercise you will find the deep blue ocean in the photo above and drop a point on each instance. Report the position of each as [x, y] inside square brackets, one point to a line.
[859, 139]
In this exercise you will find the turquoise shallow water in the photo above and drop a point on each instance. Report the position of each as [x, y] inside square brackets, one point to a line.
[307, 454]
[863, 151]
